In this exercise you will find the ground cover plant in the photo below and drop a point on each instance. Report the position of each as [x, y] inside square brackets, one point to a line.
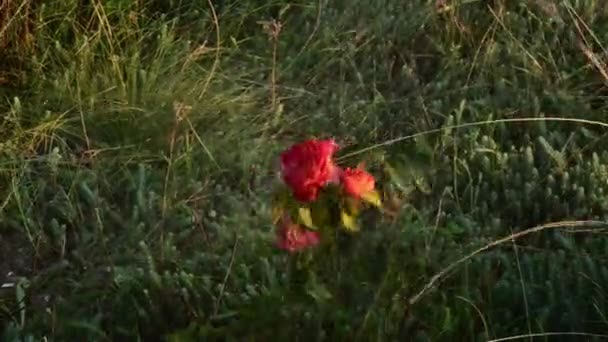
[149, 189]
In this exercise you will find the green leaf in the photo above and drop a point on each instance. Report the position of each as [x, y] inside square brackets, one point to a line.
[191, 333]
[281, 196]
[398, 179]
[320, 214]
[20, 289]
[557, 156]
[349, 221]
[422, 185]
[319, 292]
[373, 198]
[281, 201]
[352, 205]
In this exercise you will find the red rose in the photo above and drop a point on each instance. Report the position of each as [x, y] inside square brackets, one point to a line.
[357, 182]
[308, 166]
[292, 237]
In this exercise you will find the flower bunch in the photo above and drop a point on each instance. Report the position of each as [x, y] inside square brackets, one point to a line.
[316, 195]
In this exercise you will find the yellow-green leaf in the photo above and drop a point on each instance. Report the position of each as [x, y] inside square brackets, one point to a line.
[306, 217]
[318, 291]
[423, 185]
[281, 199]
[277, 212]
[373, 198]
[349, 221]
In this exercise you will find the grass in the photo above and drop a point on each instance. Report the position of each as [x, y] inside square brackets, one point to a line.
[138, 148]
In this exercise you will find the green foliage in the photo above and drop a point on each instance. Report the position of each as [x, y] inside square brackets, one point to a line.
[137, 154]
[538, 179]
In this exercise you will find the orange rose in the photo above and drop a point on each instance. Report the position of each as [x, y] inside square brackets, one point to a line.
[357, 182]
[308, 166]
